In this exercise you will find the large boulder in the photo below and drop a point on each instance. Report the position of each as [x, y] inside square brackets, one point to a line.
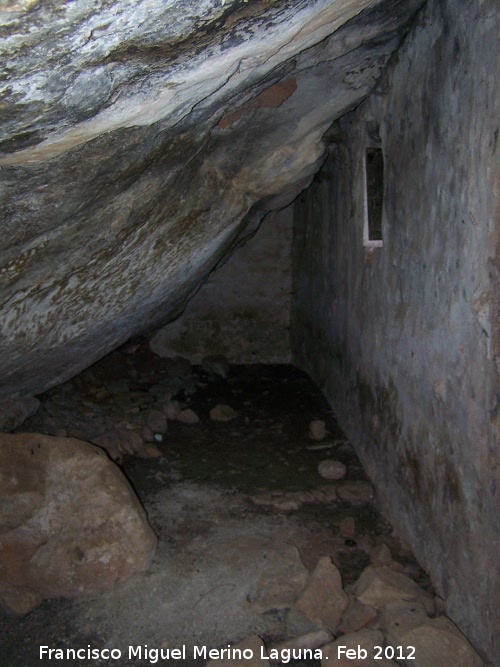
[70, 523]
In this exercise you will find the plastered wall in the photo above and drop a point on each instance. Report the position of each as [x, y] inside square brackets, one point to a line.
[404, 338]
[243, 310]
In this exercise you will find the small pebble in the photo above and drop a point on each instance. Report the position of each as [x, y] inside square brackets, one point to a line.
[317, 429]
[330, 469]
[222, 413]
[149, 452]
[172, 410]
[356, 492]
[188, 417]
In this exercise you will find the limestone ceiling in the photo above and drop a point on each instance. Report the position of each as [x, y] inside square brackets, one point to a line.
[139, 138]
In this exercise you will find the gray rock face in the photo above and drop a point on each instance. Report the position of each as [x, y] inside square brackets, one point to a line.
[140, 139]
[14, 413]
[60, 539]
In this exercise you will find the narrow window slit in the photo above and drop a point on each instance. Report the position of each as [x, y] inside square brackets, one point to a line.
[374, 197]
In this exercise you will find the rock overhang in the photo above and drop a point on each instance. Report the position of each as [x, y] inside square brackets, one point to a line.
[142, 144]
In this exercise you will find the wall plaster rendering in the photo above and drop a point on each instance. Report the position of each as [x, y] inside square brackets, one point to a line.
[404, 339]
[243, 310]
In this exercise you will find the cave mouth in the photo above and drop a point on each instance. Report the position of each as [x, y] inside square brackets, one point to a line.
[147, 167]
[235, 496]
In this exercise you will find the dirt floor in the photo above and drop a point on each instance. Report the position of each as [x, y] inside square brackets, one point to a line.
[239, 508]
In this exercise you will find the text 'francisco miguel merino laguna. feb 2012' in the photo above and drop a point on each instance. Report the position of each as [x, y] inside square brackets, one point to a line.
[283, 655]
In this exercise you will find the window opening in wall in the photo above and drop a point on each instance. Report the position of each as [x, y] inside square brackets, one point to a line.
[374, 197]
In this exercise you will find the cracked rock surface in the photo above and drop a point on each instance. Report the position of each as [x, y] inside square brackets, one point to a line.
[140, 140]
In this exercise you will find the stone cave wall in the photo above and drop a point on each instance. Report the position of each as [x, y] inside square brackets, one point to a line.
[404, 338]
[243, 309]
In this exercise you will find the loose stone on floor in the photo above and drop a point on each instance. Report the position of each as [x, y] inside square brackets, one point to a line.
[256, 549]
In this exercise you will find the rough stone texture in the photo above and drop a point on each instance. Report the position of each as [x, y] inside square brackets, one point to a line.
[381, 555]
[281, 580]
[317, 429]
[437, 641]
[122, 442]
[243, 309]
[70, 523]
[222, 413]
[400, 616]
[172, 410]
[330, 469]
[325, 493]
[323, 599]
[298, 624]
[14, 413]
[188, 416]
[347, 526]
[404, 339]
[156, 421]
[17, 600]
[378, 586]
[281, 584]
[356, 616]
[356, 491]
[140, 139]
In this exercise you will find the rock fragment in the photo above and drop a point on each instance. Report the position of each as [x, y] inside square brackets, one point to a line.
[17, 600]
[356, 616]
[379, 586]
[326, 493]
[130, 441]
[381, 555]
[356, 492]
[67, 539]
[281, 579]
[156, 421]
[323, 599]
[163, 392]
[222, 413]
[292, 500]
[348, 526]
[330, 469]
[287, 503]
[436, 641]
[277, 590]
[188, 416]
[298, 624]
[317, 429]
[172, 409]
[149, 452]
[401, 616]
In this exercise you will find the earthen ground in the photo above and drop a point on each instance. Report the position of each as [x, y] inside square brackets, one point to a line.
[213, 538]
